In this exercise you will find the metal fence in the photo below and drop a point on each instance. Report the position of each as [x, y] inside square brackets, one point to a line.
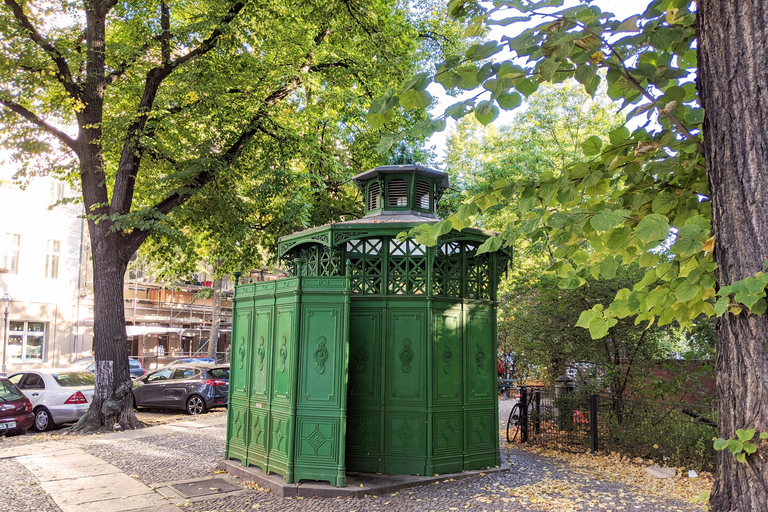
[671, 433]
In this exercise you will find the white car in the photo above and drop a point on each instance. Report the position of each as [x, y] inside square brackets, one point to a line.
[58, 395]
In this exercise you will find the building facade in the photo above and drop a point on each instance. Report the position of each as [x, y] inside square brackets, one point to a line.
[42, 269]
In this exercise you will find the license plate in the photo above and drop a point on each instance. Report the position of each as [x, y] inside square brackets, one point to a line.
[10, 424]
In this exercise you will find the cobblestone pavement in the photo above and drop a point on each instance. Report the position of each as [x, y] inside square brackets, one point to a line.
[535, 482]
[20, 491]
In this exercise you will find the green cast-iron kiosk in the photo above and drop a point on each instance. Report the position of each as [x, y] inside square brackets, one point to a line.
[378, 355]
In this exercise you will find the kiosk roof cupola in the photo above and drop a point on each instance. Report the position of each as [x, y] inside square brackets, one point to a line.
[401, 189]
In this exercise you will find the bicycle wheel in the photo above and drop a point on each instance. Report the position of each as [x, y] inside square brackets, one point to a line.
[513, 424]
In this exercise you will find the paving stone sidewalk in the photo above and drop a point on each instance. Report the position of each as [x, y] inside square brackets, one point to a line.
[141, 465]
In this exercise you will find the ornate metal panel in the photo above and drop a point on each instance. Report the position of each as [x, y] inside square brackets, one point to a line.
[320, 355]
[283, 347]
[366, 258]
[406, 351]
[447, 269]
[447, 357]
[240, 355]
[480, 356]
[407, 268]
[448, 436]
[482, 438]
[260, 354]
[365, 376]
[478, 274]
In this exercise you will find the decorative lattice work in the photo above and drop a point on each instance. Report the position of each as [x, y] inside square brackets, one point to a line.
[447, 270]
[478, 273]
[318, 261]
[366, 265]
[407, 266]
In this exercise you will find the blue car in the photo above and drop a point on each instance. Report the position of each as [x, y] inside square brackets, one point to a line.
[187, 360]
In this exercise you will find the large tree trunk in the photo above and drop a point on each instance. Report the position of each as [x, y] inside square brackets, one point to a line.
[112, 401]
[213, 341]
[733, 84]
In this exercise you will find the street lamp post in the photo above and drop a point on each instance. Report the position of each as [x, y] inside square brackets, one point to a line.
[7, 301]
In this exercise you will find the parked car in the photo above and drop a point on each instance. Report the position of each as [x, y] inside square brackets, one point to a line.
[59, 395]
[195, 388]
[16, 414]
[193, 360]
[89, 365]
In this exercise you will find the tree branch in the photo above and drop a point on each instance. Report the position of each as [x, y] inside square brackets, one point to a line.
[34, 119]
[64, 76]
[165, 36]
[130, 159]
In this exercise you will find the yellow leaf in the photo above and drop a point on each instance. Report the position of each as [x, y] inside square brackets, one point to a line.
[709, 245]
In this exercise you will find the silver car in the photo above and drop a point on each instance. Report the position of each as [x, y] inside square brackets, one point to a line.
[57, 395]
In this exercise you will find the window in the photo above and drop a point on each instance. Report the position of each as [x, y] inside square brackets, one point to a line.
[397, 193]
[11, 253]
[57, 191]
[160, 375]
[26, 341]
[52, 259]
[422, 195]
[183, 373]
[374, 196]
[33, 381]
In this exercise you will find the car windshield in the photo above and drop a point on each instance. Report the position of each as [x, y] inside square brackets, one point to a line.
[8, 391]
[134, 364]
[220, 373]
[74, 379]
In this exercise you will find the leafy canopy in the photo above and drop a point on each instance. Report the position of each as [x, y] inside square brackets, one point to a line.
[642, 195]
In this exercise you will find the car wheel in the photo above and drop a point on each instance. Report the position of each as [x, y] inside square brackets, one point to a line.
[43, 420]
[196, 405]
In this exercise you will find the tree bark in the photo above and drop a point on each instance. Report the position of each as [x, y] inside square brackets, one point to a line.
[112, 400]
[213, 341]
[733, 85]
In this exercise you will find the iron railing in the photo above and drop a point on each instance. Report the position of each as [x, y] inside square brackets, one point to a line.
[670, 433]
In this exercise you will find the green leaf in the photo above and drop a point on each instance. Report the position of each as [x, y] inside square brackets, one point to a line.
[457, 110]
[608, 267]
[525, 86]
[509, 101]
[721, 306]
[687, 291]
[591, 86]
[486, 112]
[439, 229]
[749, 448]
[592, 145]
[653, 228]
[493, 244]
[629, 25]
[745, 435]
[735, 446]
[763, 435]
[606, 220]
[584, 73]
[664, 203]
[483, 51]
[619, 135]
[418, 82]
[742, 457]
[385, 143]
[414, 98]
[720, 444]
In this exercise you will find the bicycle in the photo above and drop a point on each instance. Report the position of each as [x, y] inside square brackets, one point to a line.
[515, 420]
